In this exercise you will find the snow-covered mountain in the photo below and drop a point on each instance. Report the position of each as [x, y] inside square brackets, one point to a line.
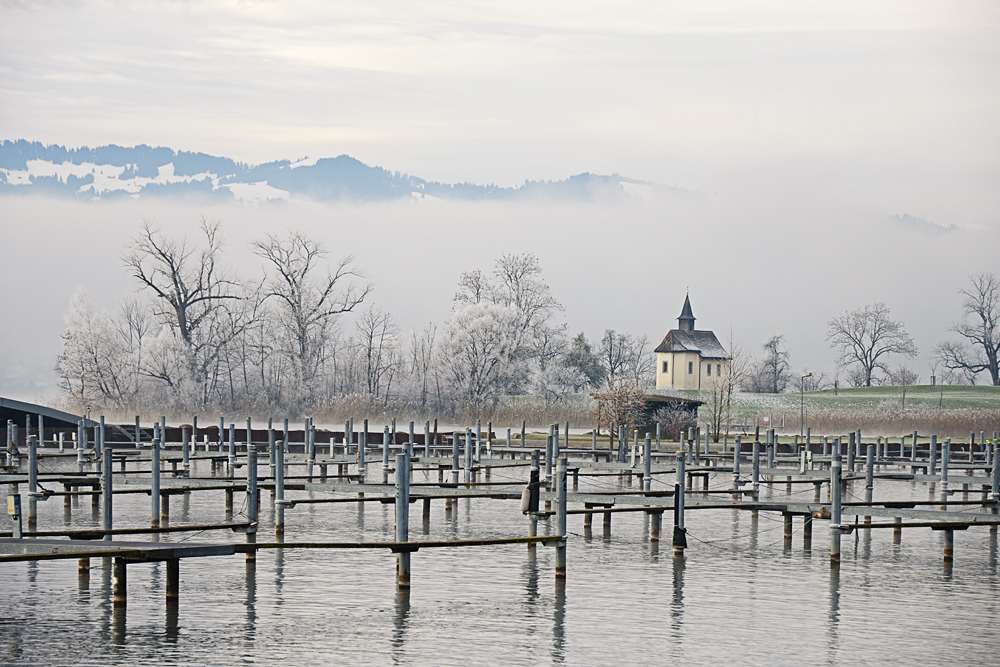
[113, 171]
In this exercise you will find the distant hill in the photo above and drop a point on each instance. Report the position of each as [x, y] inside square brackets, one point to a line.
[113, 171]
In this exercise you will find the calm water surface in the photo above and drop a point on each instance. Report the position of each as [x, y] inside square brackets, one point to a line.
[738, 596]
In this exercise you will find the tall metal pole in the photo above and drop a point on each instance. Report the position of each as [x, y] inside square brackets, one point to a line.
[561, 518]
[279, 490]
[107, 495]
[680, 532]
[154, 484]
[403, 517]
[32, 482]
[252, 511]
[835, 532]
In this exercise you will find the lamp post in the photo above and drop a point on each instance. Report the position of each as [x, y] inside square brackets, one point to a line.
[802, 403]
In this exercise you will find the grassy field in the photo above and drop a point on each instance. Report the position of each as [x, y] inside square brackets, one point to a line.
[945, 410]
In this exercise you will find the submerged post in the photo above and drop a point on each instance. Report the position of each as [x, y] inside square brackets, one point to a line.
[561, 518]
[402, 518]
[835, 532]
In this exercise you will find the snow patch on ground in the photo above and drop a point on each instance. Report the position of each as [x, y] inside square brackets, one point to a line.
[305, 162]
[254, 193]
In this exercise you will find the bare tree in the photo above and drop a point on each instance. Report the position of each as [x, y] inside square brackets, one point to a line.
[308, 302]
[718, 391]
[980, 327]
[903, 377]
[866, 337]
[189, 290]
[378, 342]
[422, 361]
[771, 374]
[621, 403]
[626, 356]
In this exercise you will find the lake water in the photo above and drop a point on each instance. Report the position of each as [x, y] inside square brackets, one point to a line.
[737, 596]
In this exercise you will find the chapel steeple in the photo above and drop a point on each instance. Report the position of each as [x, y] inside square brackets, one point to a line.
[686, 321]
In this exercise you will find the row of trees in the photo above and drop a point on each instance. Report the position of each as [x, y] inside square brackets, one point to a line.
[197, 336]
[867, 338]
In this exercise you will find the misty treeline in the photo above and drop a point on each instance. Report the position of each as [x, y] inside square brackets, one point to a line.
[306, 337]
[865, 340]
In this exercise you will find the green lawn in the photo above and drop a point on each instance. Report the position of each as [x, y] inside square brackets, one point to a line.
[927, 396]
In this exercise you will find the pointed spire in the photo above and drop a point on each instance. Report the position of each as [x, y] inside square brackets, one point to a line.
[686, 321]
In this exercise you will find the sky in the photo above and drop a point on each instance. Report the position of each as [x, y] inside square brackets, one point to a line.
[796, 130]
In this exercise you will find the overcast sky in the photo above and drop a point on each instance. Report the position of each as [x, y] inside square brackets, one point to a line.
[800, 127]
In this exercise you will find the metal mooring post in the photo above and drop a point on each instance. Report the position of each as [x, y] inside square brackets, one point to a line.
[385, 455]
[647, 480]
[14, 510]
[680, 532]
[561, 518]
[81, 444]
[186, 445]
[252, 511]
[869, 476]
[534, 486]
[427, 439]
[468, 454]
[932, 457]
[850, 451]
[455, 444]
[402, 518]
[232, 450]
[835, 528]
[32, 482]
[548, 461]
[107, 496]
[279, 490]
[154, 484]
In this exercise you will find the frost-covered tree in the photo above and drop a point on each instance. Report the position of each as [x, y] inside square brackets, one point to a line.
[479, 352]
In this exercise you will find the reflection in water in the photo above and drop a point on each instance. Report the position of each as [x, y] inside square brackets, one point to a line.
[833, 624]
[530, 572]
[279, 575]
[677, 606]
[118, 626]
[250, 628]
[559, 623]
[172, 627]
[992, 562]
[400, 622]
